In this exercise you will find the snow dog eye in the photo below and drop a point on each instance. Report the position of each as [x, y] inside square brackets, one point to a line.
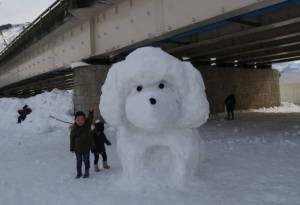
[161, 85]
[139, 88]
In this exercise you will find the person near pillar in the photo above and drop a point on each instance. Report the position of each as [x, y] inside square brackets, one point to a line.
[230, 106]
[81, 140]
[99, 140]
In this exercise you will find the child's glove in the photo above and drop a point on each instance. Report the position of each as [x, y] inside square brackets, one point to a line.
[71, 150]
[108, 143]
[92, 108]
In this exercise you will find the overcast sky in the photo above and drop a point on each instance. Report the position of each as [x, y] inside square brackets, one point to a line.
[21, 11]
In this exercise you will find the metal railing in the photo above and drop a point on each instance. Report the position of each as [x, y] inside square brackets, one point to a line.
[48, 21]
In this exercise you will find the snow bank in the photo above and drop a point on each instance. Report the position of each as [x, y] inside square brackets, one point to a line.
[56, 103]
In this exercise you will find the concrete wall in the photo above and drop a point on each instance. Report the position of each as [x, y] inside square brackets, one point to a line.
[289, 84]
[290, 93]
[59, 52]
[253, 88]
[88, 81]
[133, 21]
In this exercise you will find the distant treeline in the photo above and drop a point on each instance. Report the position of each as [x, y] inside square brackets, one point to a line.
[5, 27]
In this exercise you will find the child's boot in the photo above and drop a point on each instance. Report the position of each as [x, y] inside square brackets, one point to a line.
[105, 165]
[96, 168]
[79, 174]
[86, 174]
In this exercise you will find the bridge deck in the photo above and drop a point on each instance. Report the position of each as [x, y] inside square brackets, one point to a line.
[253, 35]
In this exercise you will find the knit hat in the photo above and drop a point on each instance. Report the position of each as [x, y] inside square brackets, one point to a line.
[99, 125]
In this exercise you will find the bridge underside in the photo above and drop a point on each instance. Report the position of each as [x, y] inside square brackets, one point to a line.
[256, 39]
[252, 38]
[61, 79]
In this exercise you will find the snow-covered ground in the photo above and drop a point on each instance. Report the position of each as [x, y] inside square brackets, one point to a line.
[252, 160]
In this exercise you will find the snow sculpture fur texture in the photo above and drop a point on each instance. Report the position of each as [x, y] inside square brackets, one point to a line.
[155, 102]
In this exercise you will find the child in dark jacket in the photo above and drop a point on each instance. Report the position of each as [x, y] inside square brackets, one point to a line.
[100, 139]
[81, 141]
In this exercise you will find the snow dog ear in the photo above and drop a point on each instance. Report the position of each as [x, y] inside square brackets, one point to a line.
[111, 105]
[194, 106]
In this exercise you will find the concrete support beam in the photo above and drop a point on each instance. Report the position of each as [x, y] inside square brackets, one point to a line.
[88, 81]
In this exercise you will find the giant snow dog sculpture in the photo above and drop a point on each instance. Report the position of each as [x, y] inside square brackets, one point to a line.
[155, 102]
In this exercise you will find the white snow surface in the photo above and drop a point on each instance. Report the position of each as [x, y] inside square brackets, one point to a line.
[78, 64]
[254, 159]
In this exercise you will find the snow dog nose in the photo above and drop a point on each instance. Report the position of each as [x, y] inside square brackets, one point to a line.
[152, 101]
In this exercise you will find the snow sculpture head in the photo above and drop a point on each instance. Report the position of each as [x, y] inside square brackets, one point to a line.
[155, 100]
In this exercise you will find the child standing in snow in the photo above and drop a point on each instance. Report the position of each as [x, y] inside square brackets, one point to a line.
[100, 139]
[81, 141]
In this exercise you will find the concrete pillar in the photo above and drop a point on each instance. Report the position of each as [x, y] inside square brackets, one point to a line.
[253, 88]
[88, 81]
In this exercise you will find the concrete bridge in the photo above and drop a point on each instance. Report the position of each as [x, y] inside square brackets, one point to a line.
[233, 43]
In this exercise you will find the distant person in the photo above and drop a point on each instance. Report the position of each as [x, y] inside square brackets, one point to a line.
[230, 106]
[81, 141]
[23, 113]
[100, 139]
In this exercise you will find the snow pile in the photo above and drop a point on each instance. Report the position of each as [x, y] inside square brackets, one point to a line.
[150, 99]
[284, 107]
[56, 103]
[78, 64]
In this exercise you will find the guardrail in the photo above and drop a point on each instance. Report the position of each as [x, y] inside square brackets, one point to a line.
[48, 21]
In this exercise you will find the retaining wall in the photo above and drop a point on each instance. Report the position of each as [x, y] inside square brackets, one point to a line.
[253, 88]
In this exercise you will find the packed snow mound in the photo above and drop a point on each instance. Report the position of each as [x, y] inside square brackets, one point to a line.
[57, 102]
[156, 102]
[78, 64]
[291, 69]
[285, 107]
